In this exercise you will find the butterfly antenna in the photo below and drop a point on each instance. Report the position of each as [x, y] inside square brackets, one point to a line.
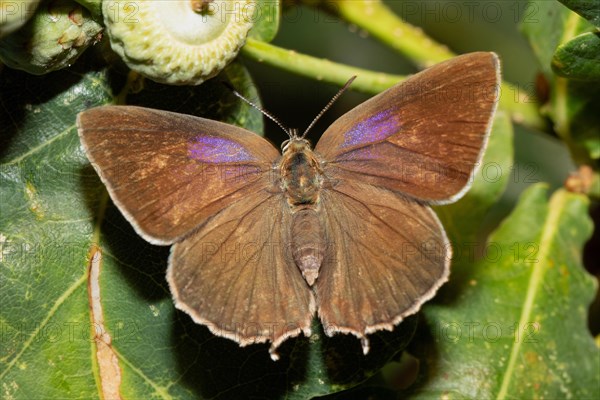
[262, 110]
[333, 99]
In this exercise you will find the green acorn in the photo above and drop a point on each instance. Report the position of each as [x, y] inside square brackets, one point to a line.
[53, 39]
[178, 42]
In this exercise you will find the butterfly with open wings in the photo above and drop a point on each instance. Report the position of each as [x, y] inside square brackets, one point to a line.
[263, 240]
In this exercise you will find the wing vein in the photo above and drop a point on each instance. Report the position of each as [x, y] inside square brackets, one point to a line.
[366, 205]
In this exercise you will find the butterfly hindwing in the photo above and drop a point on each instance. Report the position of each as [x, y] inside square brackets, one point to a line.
[389, 256]
[236, 275]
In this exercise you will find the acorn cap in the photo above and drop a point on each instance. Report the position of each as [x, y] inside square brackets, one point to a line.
[178, 42]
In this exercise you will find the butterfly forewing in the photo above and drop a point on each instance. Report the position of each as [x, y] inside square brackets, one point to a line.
[422, 138]
[167, 172]
[388, 256]
[237, 275]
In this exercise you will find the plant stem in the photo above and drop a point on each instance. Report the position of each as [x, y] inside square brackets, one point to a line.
[319, 68]
[376, 18]
[370, 82]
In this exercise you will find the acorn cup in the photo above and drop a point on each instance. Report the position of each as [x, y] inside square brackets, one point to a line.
[178, 42]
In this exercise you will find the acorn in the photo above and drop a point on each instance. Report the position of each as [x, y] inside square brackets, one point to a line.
[178, 42]
[14, 14]
[57, 34]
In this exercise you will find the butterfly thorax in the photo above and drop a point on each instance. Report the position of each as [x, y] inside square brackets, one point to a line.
[301, 175]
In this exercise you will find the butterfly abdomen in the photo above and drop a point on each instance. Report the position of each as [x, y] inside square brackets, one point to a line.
[308, 243]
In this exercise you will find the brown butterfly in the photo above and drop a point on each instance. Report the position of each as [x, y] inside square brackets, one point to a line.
[263, 240]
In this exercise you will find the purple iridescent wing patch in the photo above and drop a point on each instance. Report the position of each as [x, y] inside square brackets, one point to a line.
[373, 129]
[212, 149]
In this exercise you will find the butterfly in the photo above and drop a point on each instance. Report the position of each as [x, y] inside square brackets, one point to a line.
[263, 240]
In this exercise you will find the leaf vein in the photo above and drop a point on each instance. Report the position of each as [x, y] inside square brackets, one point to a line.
[537, 275]
[51, 312]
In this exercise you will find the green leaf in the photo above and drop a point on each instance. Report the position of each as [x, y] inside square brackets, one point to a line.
[574, 109]
[46, 227]
[579, 58]
[515, 325]
[555, 24]
[94, 6]
[267, 15]
[573, 104]
[588, 9]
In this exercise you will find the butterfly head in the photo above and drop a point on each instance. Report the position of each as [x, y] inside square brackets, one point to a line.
[295, 143]
[294, 137]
